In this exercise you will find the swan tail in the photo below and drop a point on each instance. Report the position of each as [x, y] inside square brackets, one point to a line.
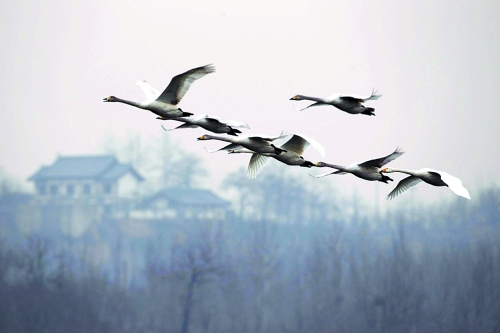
[234, 131]
[369, 111]
[185, 114]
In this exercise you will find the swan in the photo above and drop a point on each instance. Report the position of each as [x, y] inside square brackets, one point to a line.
[369, 170]
[351, 104]
[430, 176]
[165, 104]
[212, 124]
[256, 143]
[294, 147]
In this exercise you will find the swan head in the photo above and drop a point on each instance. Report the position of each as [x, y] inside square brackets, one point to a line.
[110, 99]
[204, 137]
[386, 170]
[296, 98]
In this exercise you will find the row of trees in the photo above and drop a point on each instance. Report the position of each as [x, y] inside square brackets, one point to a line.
[335, 274]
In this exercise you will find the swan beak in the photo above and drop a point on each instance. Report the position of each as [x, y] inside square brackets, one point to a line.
[318, 164]
[383, 170]
[160, 117]
[200, 138]
[105, 99]
[293, 98]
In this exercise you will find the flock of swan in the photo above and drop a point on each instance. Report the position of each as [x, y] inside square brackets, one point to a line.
[261, 148]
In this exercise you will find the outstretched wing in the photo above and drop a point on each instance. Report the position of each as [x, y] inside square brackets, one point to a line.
[257, 162]
[403, 185]
[228, 122]
[454, 184]
[360, 99]
[180, 84]
[296, 143]
[231, 146]
[380, 162]
[309, 106]
[150, 92]
[179, 127]
[329, 173]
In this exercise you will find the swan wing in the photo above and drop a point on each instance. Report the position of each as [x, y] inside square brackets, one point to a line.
[403, 185]
[228, 122]
[380, 162]
[265, 137]
[329, 173]
[150, 92]
[180, 84]
[257, 162]
[231, 146]
[309, 106]
[296, 144]
[179, 127]
[304, 142]
[454, 184]
[357, 98]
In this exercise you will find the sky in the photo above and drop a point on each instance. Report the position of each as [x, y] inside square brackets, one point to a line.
[437, 64]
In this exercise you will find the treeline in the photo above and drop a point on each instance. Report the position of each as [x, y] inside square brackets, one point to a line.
[273, 269]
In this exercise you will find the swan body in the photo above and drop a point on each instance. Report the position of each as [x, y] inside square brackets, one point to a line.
[352, 104]
[294, 148]
[165, 105]
[430, 176]
[212, 124]
[369, 170]
[256, 143]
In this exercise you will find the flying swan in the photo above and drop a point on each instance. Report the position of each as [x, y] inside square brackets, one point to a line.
[351, 104]
[165, 104]
[433, 177]
[256, 143]
[369, 170]
[294, 147]
[210, 123]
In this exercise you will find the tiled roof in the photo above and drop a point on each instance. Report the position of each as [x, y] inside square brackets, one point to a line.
[189, 197]
[84, 167]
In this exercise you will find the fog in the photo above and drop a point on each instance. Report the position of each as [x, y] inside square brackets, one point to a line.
[180, 240]
[288, 257]
[434, 62]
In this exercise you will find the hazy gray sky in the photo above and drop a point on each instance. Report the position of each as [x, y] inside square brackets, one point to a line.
[436, 62]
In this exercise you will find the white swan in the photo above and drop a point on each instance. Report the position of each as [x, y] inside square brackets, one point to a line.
[257, 143]
[165, 104]
[369, 170]
[294, 147]
[433, 177]
[212, 124]
[351, 104]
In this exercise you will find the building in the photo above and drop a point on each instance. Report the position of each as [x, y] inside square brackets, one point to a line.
[77, 190]
[182, 203]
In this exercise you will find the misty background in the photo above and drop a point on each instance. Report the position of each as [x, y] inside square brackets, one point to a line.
[291, 253]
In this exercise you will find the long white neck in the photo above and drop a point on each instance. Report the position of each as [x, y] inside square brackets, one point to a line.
[409, 172]
[124, 101]
[220, 138]
[309, 98]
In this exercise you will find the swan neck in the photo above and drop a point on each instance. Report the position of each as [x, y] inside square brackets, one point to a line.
[125, 101]
[338, 167]
[409, 172]
[220, 138]
[310, 98]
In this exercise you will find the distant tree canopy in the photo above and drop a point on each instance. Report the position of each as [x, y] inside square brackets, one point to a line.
[164, 163]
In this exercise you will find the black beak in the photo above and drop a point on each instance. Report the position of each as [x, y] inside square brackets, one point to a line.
[105, 100]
